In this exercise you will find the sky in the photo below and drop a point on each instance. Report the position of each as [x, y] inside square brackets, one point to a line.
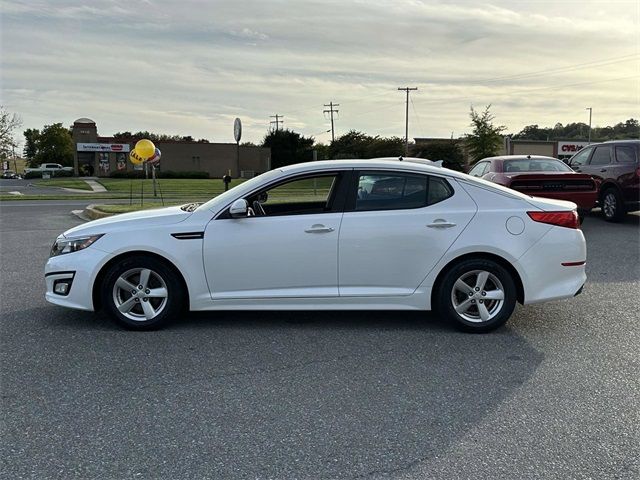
[190, 67]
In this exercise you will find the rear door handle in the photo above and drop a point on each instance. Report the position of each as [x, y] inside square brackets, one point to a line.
[603, 170]
[319, 228]
[439, 223]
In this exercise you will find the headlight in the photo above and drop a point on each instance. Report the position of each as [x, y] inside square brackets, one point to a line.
[64, 245]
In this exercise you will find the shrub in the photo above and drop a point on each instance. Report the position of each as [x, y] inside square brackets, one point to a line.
[167, 174]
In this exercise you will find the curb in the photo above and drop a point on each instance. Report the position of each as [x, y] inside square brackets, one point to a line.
[93, 214]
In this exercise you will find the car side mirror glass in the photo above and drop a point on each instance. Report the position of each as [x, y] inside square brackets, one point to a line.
[239, 208]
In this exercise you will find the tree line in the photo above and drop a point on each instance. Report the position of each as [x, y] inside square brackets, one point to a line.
[53, 143]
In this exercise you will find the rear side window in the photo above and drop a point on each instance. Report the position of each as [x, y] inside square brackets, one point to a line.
[601, 156]
[625, 154]
[395, 191]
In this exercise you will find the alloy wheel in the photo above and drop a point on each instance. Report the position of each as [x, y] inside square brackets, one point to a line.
[609, 205]
[477, 296]
[140, 294]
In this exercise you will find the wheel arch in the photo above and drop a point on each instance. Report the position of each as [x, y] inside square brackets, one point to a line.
[481, 256]
[95, 289]
[607, 185]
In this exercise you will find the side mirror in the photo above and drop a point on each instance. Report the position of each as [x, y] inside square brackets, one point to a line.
[239, 208]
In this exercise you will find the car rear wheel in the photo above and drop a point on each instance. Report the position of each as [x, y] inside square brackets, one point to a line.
[476, 295]
[142, 293]
[612, 205]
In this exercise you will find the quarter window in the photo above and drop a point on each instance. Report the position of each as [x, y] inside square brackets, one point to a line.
[601, 156]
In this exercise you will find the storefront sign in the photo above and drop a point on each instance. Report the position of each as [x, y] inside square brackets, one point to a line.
[103, 147]
[569, 148]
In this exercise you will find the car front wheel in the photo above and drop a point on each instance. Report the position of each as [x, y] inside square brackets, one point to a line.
[142, 293]
[476, 295]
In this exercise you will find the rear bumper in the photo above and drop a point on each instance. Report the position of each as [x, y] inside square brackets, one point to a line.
[544, 276]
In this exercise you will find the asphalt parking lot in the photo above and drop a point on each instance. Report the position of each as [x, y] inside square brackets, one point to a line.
[554, 394]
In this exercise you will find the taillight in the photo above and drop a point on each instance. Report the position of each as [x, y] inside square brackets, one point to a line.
[567, 219]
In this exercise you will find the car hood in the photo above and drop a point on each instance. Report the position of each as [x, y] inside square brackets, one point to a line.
[124, 221]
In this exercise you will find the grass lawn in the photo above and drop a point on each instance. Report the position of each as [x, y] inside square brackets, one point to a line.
[190, 189]
[63, 183]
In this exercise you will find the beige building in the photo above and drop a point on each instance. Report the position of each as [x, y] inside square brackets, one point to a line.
[551, 148]
[101, 156]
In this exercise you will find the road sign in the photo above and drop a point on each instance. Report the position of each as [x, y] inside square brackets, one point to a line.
[237, 130]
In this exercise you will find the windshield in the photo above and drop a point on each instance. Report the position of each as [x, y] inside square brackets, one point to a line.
[239, 190]
[535, 165]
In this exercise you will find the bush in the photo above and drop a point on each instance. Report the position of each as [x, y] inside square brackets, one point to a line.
[167, 174]
[171, 174]
[127, 174]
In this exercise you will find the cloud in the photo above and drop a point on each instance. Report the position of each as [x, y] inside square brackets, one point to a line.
[190, 67]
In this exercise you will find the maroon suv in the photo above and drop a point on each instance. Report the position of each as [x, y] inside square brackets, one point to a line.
[614, 166]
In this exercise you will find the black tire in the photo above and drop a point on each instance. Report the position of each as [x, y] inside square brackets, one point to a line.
[499, 279]
[161, 276]
[613, 209]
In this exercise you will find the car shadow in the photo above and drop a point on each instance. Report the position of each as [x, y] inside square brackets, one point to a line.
[273, 394]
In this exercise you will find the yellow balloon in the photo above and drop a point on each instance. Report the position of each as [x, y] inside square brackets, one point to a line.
[145, 148]
[135, 157]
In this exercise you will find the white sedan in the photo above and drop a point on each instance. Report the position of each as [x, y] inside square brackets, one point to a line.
[332, 235]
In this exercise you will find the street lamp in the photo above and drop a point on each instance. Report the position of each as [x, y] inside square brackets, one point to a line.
[590, 112]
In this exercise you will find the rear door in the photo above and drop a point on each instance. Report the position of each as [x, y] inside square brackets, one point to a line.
[395, 228]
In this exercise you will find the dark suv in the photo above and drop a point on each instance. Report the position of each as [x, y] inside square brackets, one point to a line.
[614, 166]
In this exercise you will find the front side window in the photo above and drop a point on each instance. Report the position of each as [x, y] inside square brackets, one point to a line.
[625, 154]
[479, 169]
[580, 158]
[306, 195]
[601, 156]
[394, 191]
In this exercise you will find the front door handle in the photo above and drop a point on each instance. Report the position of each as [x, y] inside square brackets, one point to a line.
[440, 223]
[603, 170]
[319, 228]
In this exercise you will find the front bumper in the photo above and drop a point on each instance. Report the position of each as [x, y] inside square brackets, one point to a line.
[80, 270]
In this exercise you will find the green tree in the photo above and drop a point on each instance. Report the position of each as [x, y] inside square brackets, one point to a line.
[354, 144]
[486, 138]
[31, 139]
[448, 151]
[288, 147]
[9, 122]
[55, 145]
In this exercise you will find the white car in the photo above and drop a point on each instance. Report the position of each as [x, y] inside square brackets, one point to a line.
[333, 235]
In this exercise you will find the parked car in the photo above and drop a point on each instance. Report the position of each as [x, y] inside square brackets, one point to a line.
[615, 168]
[307, 236]
[10, 174]
[540, 177]
[54, 169]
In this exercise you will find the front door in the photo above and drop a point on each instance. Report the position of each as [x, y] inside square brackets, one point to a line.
[396, 229]
[288, 248]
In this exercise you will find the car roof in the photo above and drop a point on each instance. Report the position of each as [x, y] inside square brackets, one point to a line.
[421, 165]
[519, 157]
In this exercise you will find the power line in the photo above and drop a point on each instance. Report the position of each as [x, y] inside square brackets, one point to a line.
[276, 122]
[550, 71]
[331, 111]
[406, 123]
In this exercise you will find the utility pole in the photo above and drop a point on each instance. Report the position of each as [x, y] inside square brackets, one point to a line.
[331, 111]
[590, 112]
[276, 122]
[406, 120]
